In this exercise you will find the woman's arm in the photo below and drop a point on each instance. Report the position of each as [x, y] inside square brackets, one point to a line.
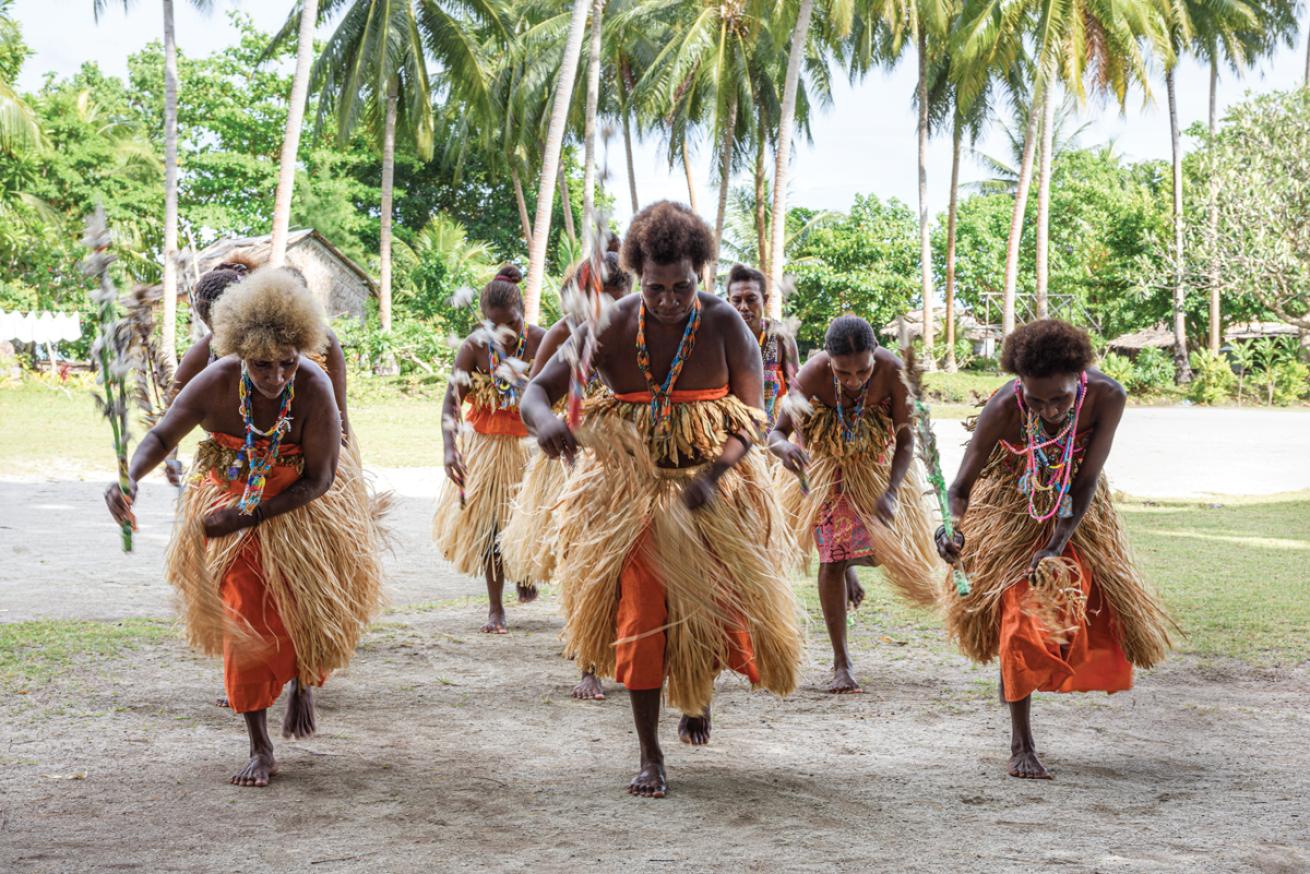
[537, 408]
[904, 452]
[986, 434]
[452, 409]
[550, 343]
[336, 368]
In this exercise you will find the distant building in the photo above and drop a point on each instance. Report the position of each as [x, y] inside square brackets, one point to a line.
[903, 329]
[339, 283]
[1161, 337]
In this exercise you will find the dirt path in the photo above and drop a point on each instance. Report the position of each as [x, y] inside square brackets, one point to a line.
[443, 749]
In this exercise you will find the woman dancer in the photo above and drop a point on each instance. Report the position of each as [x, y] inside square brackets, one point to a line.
[1055, 592]
[486, 460]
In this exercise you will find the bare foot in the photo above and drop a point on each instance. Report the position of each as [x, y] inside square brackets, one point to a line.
[527, 592]
[649, 782]
[256, 772]
[495, 623]
[695, 730]
[843, 682]
[299, 721]
[589, 689]
[1026, 765]
[221, 701]
[854, 591]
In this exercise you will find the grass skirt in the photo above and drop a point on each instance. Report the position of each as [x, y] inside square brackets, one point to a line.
[722, 565]
[321, 565]
[1000, 540]
[530, 542]
[493, 470]
[905, 551]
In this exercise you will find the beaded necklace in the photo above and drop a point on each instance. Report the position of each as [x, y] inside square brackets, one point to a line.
[1048, 461]
[660, 404]
[848, 429]
[506, 389]
[258, 464]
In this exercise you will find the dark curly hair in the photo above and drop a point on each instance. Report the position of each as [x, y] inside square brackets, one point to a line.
[849, 335]
[742, 273]
[503, 291]
[210, 286]
[664, 233]
[1045, 348]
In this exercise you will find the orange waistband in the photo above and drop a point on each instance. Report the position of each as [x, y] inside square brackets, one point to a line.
[495, 421]
[229, 442]
[677, 396]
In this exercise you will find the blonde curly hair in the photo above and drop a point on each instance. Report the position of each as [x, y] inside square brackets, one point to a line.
[265, 313]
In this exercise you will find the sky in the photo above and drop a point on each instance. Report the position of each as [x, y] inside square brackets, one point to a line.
[865, 143]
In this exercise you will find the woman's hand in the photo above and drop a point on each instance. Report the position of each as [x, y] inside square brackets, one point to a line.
[120, 505]
[222, 522]
[455, 467]
[700, 491]
[793, 457]
[949, 549]
[1041, 555]
[556, 440]
[885, 509]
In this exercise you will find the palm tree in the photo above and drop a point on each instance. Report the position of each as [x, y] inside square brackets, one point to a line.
[374, 68]
[550, 159]
[1070, 38]
[286, 177]
[168, 328]
[1275, 22]
[782, 155]
[589, 123]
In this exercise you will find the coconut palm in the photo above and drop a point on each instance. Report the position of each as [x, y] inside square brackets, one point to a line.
[286, 177]
[373, 69]
[589, 123]
[782, 154]
[168, 328]
[554, 143]
[1217, 41]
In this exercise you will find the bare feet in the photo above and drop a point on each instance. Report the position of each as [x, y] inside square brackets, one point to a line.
[854, 591]
[695, 730]
[221, 701]
[649, 782]
[495, 623]
[527, 592]
[257, 771]
[299, 721]
[1025, 764]
[589, 688]
[843, 682]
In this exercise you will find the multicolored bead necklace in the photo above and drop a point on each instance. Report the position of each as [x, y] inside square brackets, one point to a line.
[1048, 461]
[660, 403]
[848, 429]
[258, 465]
[506, 389]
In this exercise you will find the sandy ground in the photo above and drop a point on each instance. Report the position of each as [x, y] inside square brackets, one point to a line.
[444, 749]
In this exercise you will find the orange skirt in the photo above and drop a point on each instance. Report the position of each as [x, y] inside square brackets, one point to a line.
[1093, 660]
[642, 617]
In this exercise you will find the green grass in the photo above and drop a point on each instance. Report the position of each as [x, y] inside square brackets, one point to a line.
[964, 388]
[1234, 575]
[34, 653]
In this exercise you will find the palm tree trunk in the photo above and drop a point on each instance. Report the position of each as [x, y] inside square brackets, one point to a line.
[566, 203]
[952, 213]
[925, 242]
[1182, 371]
[1307, 61]
[627, 141]
[589, 124]
[725, 177]
[1042, 258]
[782, 157]
[523, 208]
[286, 178]
[388, 186]
[691, 180]
[1212, 222]
[550, 160]
[168, 330]
[1022, 184]
[761, 211]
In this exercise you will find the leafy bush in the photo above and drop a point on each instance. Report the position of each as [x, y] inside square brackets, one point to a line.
[961, 388]
[1286, 382]
[416, 345]
[1213, 380]
[1118, 367]
[1153, 371]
